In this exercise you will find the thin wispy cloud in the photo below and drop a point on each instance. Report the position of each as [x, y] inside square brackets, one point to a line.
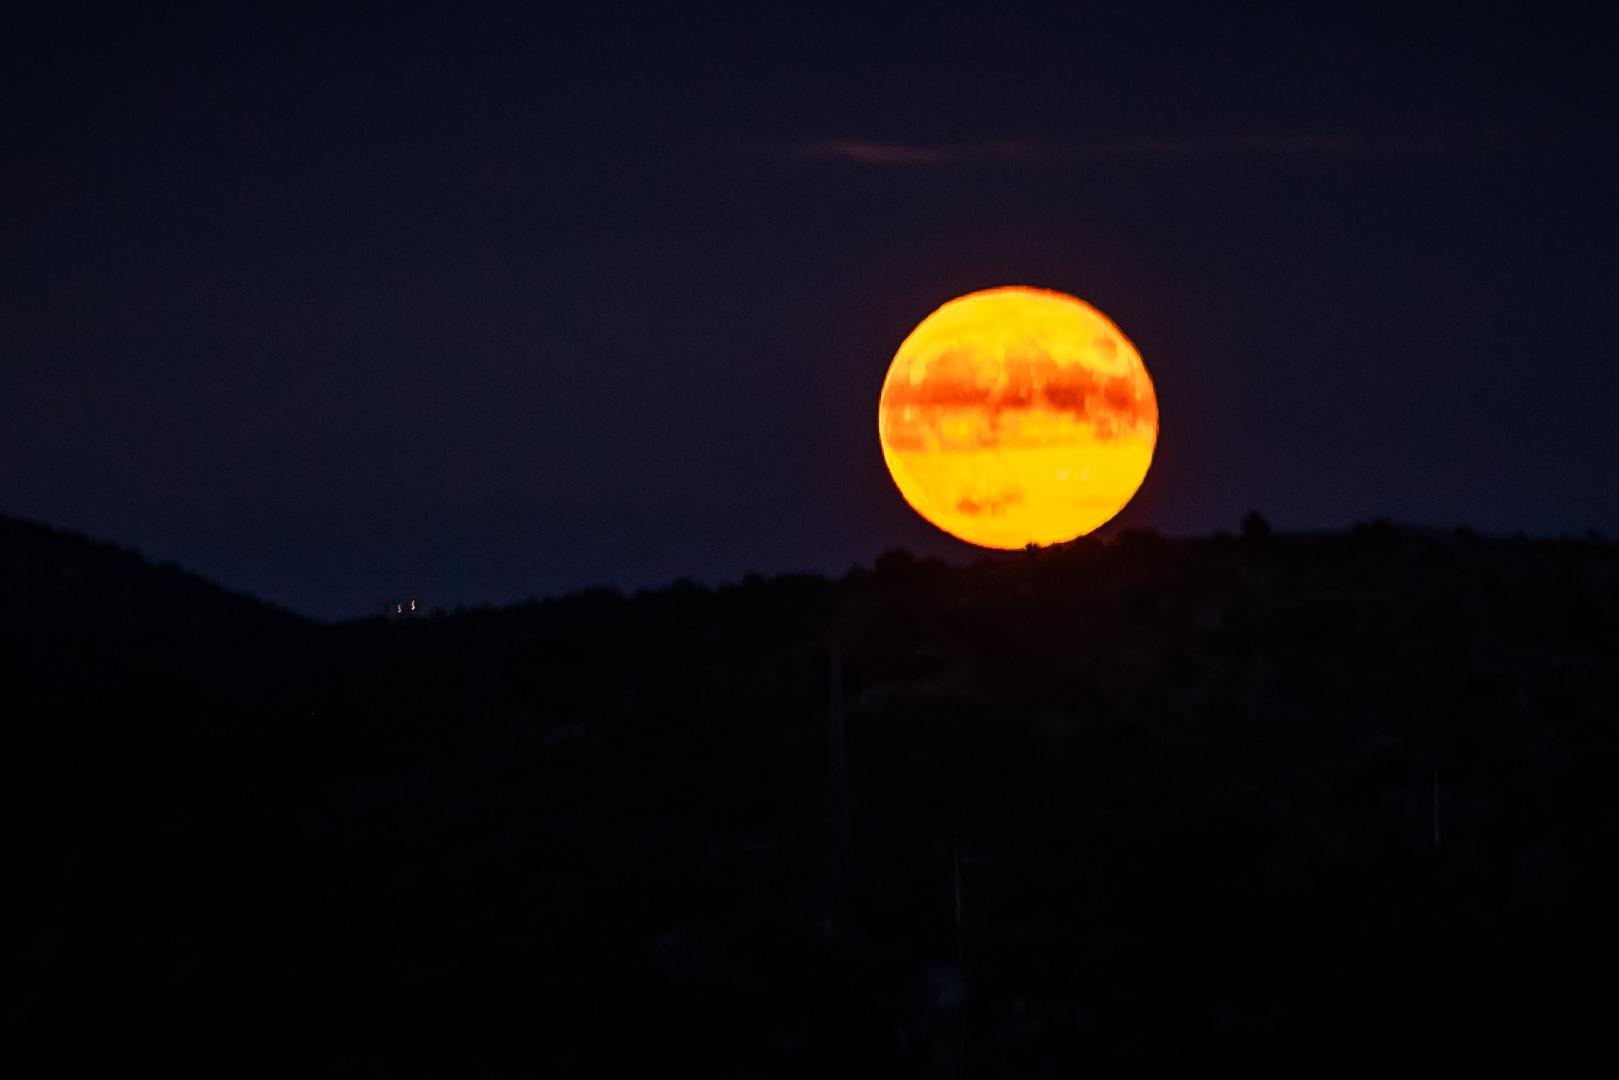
[886, 154]
[874, 152]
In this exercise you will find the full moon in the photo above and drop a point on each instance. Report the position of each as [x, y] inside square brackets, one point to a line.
[1017, 416]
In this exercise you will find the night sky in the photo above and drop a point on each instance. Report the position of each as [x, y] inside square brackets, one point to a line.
[335, 309]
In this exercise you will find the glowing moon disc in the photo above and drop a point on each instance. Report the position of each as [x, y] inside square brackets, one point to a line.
[1017, 416]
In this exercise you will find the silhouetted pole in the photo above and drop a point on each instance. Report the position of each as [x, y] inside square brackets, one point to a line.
[1436, 833]
[838, 823]
[961, 919]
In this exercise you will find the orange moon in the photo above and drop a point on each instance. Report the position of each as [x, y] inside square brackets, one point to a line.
[1017, 416]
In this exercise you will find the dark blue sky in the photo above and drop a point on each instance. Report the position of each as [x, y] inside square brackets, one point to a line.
[470, 308]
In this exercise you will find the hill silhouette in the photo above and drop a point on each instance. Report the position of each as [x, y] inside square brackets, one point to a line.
[1276, 804]
[62, 584]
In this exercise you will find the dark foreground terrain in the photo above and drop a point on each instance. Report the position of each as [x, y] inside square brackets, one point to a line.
[1268, 805]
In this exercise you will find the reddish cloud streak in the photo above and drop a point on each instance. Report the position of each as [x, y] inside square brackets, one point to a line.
[1112, 404]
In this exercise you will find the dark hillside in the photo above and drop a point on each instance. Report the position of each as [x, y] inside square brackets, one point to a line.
[60, 584]
[1277, 805]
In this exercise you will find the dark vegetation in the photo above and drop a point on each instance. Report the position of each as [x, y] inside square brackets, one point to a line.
[1265, 804]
